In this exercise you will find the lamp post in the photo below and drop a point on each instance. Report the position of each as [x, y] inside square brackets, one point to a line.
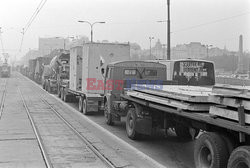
[91, 26]
[150, 39]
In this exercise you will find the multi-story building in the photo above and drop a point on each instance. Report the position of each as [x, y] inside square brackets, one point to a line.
[46, 45]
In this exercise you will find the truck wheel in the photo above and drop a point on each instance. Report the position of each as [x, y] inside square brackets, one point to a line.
[62, 93]
[240, 158]
[131, 124]
[84, 106]
[65, 97]
[210, 151]
[183, 132]
[58, 92]
[49, 89]
[108, 115]
[80, 104]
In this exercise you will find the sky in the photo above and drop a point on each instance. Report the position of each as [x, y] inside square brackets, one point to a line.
[213, 22]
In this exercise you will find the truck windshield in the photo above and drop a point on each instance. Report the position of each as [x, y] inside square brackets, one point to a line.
[195, 73]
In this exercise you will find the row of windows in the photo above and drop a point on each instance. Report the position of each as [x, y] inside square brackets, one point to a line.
[133, 72]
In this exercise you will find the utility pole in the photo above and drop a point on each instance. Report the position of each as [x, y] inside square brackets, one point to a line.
[168, 34]
[164, 47]
[150, 39]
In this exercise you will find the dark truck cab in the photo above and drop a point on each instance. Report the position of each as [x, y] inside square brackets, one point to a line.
[120, 76]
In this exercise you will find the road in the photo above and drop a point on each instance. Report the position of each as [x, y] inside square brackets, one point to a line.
[168, 151]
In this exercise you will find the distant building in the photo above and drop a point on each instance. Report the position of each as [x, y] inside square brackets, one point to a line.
[46, 45]
[196, 50]
[192, 50]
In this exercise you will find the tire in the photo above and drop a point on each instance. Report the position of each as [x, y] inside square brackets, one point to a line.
[62, 93]
[49, 89]
[80, 104]
[84, 106]
[131, 124]
[58, 92]
[240, 158]
[108, 115]
[210, 151]
[65, 97]
[184, 133]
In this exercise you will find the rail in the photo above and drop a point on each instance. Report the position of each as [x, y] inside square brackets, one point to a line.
[38, 137]
[45, 156]
[3, 99]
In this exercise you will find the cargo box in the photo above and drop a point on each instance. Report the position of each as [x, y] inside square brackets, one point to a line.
[76, 68]
[95, 58]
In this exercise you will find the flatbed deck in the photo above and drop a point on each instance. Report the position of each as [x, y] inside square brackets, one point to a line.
[201, 117]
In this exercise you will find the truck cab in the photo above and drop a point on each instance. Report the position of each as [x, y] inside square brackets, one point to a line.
[121, 76]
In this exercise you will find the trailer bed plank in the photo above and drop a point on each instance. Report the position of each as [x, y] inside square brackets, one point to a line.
[185, 93]
[171, 102]
[227, 113]
[233, 91]
[230, 101]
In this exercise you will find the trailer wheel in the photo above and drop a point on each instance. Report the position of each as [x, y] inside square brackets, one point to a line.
[49, 88]
[80, 108]
[240, 158]
[62, 93]
[84, 106]
[65, 96]
[58, 92]
[108, 115]
[131, 124]
[210, 151]
[184, 132]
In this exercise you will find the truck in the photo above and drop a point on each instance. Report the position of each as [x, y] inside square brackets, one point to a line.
[40, 62]
[215, 116]
[87, 64]
[32, 67]
[168, 72]
[57, 72]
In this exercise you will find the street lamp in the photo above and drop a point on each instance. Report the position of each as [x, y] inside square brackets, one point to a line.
[207, 46]
[91, 26]
[150, 39]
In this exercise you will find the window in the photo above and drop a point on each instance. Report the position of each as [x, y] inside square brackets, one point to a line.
[130, 72]
[150, 72]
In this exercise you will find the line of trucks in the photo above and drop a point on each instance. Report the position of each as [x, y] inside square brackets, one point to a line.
[180, 95]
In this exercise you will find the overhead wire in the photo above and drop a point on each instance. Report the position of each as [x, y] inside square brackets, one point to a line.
[211, 22]
[30, 21]
[32, 18]
[1, 40]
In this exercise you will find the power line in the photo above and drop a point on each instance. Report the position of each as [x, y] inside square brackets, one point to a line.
[32, 18]
[1, 40]
[30, 21]
[20, 49]
[207, 23]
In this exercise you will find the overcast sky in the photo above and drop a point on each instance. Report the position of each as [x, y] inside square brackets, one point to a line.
[214, 22]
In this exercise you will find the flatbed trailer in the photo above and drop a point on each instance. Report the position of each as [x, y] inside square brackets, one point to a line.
[223, 143]
[88, 102]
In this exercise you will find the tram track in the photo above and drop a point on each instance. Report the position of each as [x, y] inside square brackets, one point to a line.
[38, 137]
[45, 155]
[3, 98]
[93, 148]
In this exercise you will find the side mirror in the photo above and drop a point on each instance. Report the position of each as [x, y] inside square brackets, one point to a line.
[103, 71]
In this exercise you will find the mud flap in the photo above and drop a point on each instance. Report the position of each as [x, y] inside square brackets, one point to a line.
[144, 126]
